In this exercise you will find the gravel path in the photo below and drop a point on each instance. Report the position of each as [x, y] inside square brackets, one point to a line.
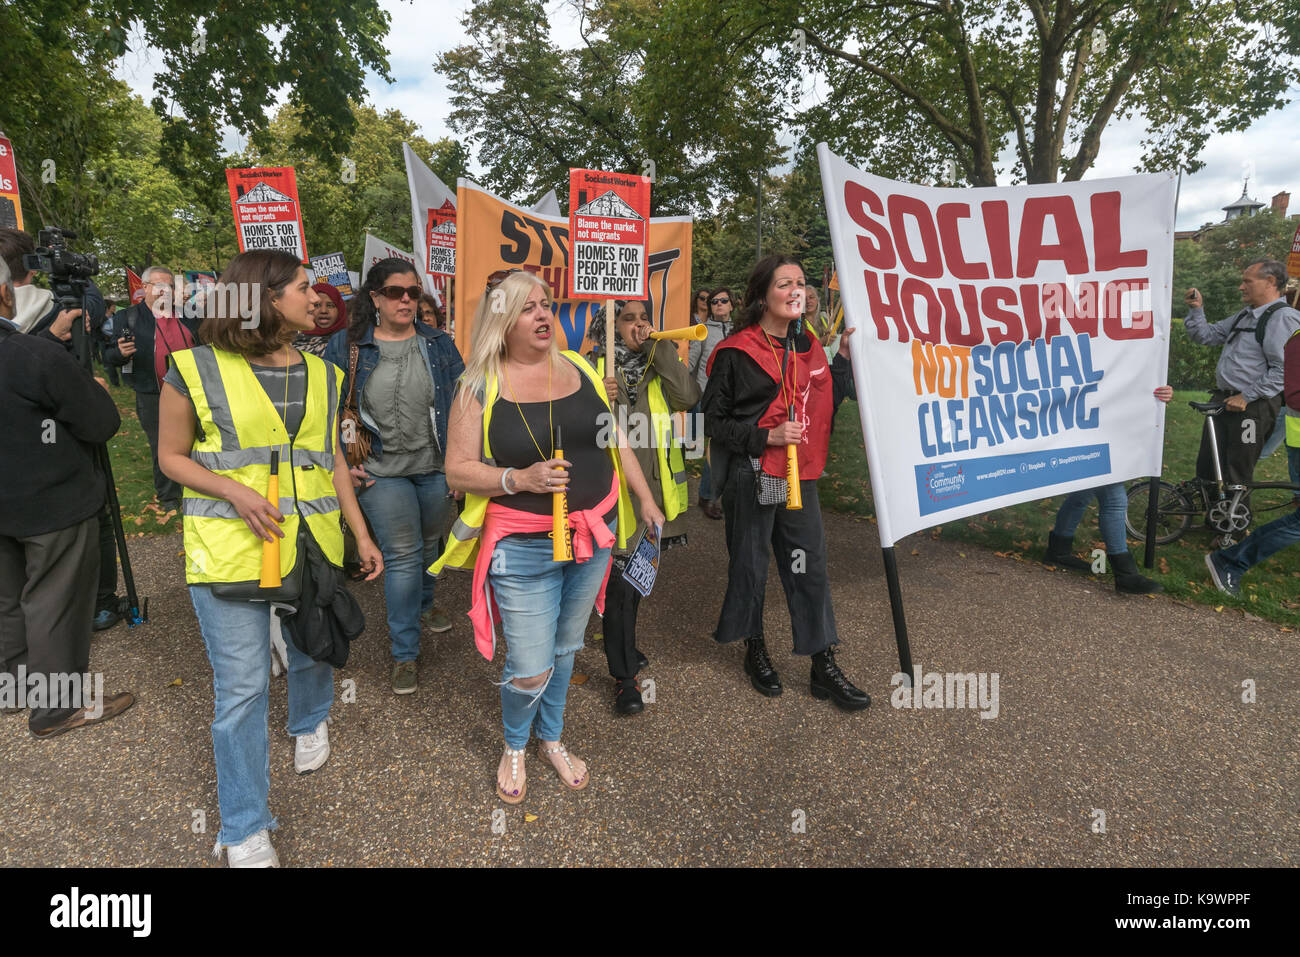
[1128, 706]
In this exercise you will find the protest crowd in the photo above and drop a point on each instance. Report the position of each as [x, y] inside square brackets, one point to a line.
[325, 439]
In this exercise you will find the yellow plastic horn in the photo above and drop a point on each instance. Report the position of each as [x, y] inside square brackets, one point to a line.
[270, 577]
[697, 332]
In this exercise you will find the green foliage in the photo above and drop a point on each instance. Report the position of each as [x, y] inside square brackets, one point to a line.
[910, 85]
[222, 65]
[338, 212]
[645, 88]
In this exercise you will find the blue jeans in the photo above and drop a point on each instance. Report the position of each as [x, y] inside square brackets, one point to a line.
[408, 514]
[1276, 437]
[1268, 539]
[1112, 505]
[544, 607]
[238, 638]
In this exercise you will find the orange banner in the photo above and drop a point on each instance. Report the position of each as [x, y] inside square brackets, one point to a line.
[493, 234]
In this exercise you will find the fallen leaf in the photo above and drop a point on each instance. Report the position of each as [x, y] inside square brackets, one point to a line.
[1164, 566]
[598, 636]
[578, 679]
[916, 551]
[1218, 608]
[175, 683]
[530, 818]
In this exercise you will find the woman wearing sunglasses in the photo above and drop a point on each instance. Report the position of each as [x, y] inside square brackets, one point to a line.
[700, 306]
[406, 375]
[718, 322]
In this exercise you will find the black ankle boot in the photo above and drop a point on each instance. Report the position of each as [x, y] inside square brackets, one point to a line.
[627, 696]
[1127, 577]
[829, 682]
[1060, 552]
[759, 668]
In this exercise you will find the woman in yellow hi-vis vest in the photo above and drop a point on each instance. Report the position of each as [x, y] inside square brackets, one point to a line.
[646, 383]
[228, 411]
[525, 445]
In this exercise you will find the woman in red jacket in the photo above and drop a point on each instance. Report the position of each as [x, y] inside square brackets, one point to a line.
[767, 369]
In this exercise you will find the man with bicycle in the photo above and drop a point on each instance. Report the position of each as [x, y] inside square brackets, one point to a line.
[1227, 565]
[1249, 374]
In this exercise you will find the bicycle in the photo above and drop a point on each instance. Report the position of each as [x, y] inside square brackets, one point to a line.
[1226, 508]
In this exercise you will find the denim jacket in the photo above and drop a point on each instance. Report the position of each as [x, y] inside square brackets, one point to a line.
[445, 366]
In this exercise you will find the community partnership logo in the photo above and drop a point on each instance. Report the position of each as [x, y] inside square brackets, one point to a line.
[933, 689]
[59, 690]
[76, 910]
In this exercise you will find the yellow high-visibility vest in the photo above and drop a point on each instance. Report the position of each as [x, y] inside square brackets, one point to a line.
[462, 541]
[672, 464]
[238, 430]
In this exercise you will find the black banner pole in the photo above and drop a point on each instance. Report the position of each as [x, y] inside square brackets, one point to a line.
[1153, 507]
[896, 606]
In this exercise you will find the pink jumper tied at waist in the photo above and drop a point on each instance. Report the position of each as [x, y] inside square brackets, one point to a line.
[589, 533]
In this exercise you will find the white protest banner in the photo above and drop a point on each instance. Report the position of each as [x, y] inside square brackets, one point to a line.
[1008, 339]
[264, 201]
[609, 216]
[428, 194]
[377, 249]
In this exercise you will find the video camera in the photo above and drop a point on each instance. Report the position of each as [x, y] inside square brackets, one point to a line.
[69, 272]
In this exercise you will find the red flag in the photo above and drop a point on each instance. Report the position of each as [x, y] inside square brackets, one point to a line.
[134, 286]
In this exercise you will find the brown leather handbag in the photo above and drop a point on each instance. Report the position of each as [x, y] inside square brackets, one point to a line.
[356, 450]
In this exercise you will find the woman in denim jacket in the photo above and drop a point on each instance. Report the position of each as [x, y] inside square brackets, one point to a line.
[402, 486]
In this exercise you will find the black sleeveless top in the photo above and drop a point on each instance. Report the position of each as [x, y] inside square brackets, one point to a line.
[582, 417]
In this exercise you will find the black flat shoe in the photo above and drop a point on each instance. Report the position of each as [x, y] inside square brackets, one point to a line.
[759, 668]
[105, 618]
[627, 696]
[642, 662]
[829, 682]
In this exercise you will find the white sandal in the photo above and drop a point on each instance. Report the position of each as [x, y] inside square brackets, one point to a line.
[514, 776]
[546, 752]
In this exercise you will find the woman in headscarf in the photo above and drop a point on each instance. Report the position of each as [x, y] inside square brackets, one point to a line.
[330, 316]
[649, 380]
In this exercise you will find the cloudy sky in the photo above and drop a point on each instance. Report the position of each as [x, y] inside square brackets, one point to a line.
[1267, 150]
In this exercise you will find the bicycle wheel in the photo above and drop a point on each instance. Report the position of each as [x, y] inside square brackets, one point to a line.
[1270, 500]
[1173, 515]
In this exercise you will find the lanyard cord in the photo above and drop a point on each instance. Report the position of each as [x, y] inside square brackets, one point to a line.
[549, 419]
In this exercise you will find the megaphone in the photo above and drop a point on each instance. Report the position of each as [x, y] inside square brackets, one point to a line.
[697, 332]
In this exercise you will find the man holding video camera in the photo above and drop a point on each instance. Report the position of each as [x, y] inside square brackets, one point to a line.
[143, 338]
[54, 415]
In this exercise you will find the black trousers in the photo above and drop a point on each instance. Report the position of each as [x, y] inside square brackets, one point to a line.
[106, 593]
[1236, 457]
[146, 407]
[619, 625]
[47, 600]
[797, 541]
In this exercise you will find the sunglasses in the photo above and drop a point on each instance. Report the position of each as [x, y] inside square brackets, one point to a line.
[397, 292]
[703, 295]
[720, 301]
[496, 278]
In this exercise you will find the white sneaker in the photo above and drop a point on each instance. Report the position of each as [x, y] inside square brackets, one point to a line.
[253, 851]
[310, 751]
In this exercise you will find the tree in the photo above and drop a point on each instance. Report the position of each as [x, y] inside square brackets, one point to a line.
[222, 65]
[619, 101]
[915, 83]
[361, 186]
[1214, 265]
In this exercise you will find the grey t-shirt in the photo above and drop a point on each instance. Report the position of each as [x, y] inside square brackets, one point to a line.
[397, 397]
[271, 379]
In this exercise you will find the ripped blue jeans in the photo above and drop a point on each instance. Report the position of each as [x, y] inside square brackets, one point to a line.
[545, 606]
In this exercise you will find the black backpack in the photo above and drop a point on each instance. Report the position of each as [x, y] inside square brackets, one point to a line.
[1260, 326]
